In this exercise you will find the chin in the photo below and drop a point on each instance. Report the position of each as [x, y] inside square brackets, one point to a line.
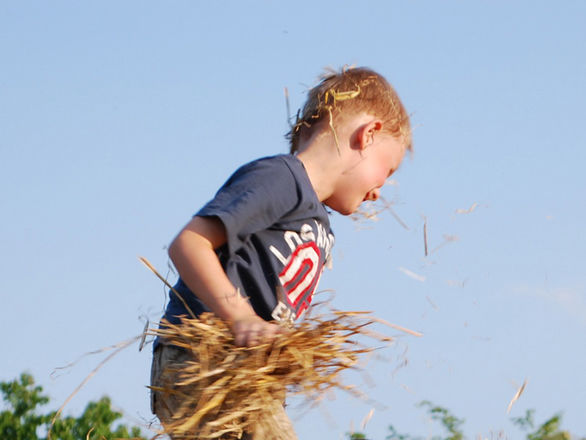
[348, 210]
[344, 210]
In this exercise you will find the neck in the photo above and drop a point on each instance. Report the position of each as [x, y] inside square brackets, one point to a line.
[322, 162]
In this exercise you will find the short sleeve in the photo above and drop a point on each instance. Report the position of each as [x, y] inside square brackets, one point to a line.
[254, 198]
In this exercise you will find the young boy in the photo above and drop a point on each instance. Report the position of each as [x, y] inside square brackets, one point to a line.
[254, 254]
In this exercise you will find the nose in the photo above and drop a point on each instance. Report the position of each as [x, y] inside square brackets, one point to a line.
[372, 195]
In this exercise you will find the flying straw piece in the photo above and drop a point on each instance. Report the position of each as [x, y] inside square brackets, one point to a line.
[457, 283]
[447, 239]
[147, 263]
[401, 222]
[467, 211]
[434, 305]
[121, 346]
[370, 211]
[367, 419]
[54, 374]
[395, 326]
[413, 275]
[367, 211]
[516, 396]
[425, 235]
[286, 90]
[144, 335]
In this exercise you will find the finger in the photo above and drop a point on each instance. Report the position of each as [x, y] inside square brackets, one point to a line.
[270, 332]
[253, 338]
[262, 335]
[240, 339]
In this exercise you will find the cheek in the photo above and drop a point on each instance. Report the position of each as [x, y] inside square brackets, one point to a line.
[381, 177]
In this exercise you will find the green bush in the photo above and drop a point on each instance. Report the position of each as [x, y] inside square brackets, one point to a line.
[22, 421]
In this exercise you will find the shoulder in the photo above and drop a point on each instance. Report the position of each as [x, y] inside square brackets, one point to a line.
[276, 171]
[258, 195]
[265, 184]
[278, 162]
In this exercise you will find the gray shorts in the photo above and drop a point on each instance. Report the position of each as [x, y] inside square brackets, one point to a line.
[164, 405]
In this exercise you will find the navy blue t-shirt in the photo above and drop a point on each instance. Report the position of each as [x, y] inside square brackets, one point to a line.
[278, 239]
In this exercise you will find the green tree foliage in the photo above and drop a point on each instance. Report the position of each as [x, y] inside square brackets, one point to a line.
[21, 421]
[548, 430]
[22, 397]
[450, 422]
[439, 414]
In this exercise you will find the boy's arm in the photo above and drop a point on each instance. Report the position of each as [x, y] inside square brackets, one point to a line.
[192, 253]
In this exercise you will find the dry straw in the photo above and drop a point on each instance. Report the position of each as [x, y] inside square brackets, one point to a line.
[225, 391]
[228, 390]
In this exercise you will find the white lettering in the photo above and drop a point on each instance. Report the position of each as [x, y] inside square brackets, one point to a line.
[282, 313]
[279, 255]
[290, 236]
[324, 240]
[307, 233]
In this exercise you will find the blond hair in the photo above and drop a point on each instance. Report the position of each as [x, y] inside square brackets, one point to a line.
[349, 92]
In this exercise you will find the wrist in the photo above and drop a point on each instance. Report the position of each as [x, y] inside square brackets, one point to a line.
[234, 307]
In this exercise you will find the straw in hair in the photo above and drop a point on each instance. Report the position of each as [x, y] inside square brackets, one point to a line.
[346, 93]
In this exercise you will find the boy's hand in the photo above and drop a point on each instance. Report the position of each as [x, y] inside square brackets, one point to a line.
[252, 330]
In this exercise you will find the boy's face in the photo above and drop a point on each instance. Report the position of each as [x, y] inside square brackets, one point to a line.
[367, 172]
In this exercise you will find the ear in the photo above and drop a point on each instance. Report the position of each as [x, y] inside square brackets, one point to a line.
[365, 133]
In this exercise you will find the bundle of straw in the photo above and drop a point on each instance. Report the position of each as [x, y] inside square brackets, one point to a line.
[227, 390]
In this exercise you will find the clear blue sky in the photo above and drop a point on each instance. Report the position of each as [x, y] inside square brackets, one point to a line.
[118, 120]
